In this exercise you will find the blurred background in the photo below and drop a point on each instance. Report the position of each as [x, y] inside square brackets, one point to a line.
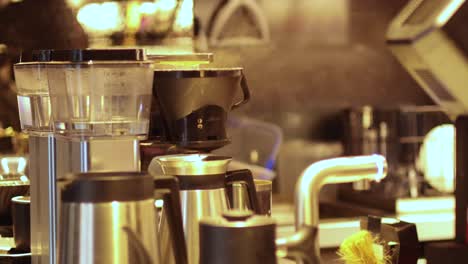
[321, 76]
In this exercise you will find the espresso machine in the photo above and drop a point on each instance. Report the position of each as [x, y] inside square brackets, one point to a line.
[96, 104]
[397, 134]
[429, 38]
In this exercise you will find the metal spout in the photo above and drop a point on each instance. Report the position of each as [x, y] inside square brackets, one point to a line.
[331, 171]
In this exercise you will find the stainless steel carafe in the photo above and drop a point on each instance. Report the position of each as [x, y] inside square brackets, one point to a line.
[238, 237]
[204, 185]
[111, 218]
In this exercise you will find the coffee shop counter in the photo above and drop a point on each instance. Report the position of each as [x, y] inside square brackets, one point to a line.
[431, 226]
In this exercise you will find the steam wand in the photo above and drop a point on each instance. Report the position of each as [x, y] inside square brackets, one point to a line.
[304, 244]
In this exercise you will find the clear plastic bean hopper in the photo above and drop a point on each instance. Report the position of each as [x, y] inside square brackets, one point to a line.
[100, 103]
[430, 39]
[33, 93]
[35, 117]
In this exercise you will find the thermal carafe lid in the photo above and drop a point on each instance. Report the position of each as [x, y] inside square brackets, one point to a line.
[93, 56]
[106, 187]
[100, 92]
[238, 219]
[237, 237]
[193, 164]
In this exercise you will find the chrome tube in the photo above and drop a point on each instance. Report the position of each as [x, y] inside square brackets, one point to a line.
[196, 205]
[42, 175]
[109, 232]
[332, 171]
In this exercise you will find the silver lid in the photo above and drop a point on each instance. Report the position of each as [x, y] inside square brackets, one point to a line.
[238, 219]
[193, 164]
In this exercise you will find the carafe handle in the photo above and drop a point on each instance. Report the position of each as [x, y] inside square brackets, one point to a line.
[245, 91]
[174, 214]
[246, 177]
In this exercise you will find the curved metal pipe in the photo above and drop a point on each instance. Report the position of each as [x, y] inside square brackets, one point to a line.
[332, 171]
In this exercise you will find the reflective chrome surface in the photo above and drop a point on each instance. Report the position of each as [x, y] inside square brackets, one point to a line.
[97, 155]
[198, 204]
[43, 199]
[193, 164]
[165, 236]
[116, 232]
[332, 171]
[46, 167]
[240, 197]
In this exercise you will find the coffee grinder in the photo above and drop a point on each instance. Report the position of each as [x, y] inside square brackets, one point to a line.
[430, 39]
[99, 107]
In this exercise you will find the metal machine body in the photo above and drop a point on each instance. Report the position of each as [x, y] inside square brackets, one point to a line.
[97, 155]
[81, 249]
[54, 157]
[430, 39]
[193, 212]
[42, 175]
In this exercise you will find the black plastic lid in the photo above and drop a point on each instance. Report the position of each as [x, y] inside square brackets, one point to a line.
[35, 56]
[201, 182]
[198, 73]
[83, 55]
[237, 215]
[107, 187]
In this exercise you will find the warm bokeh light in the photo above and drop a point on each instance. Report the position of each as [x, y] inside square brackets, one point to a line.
[13, 165]
[166, 5]
[108, 17]
[75, 3]
[148, 8]
[184, 20]
[133, 16]
[101, 17]
[449, 11]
